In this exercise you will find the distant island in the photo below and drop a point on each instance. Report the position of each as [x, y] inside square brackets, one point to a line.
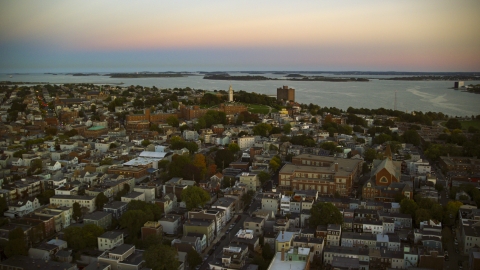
[83, 74]
[436, 78]
[328, 79]
[227, 77]
[146, 75]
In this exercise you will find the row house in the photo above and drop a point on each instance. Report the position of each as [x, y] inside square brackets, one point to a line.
[362, 254]
[171, 224]
[204, 226]
[217, 215]
[61, 215]
[334, 232]
[226, 204]
[316, 245]
[22, 207]
[87, 202]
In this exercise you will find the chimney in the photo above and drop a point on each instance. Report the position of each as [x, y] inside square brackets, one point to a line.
[283, 255]
[336, 167]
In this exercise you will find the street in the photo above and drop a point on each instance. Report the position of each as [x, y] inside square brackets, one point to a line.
[222, 243]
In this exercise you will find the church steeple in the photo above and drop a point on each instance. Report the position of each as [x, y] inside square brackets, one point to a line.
[388, 152]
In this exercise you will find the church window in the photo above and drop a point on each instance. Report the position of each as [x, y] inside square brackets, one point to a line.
[383, 180]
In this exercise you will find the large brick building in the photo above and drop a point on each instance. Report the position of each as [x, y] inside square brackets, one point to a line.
[284, 93]
[327, 175]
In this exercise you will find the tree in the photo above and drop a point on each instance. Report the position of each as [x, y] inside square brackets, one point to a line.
[16, 244]
[314, 120]
[451, 209]
[161, 257]
[194, 197]
[329, 146]
[200, 162]
[262, 129]
[234, 148]
[223, 158]
[153, 211]
[247, 197]
[287, 128]
[370, 154]
[90, 233]
[411, 136]
[44, 197]
[177, 166]
[145, 143]
[422, 215]
[100, 201]
[172, 121]
[263, 177]
[77, 211]
[193, 258]
[408, 206]
[275, 163]
[74, 238]
[106, 161]
[267, 252]
[453, 123]
[323, 214]
[133, 220]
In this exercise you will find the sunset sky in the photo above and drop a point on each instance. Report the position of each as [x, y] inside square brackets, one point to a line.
[440, 35]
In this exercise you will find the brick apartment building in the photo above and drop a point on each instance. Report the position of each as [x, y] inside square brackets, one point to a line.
[327, 175]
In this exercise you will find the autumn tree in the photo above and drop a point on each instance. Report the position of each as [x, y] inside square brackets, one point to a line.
[200, 162]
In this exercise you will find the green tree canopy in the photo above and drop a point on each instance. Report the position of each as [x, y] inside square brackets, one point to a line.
[370, 154]
[133, 220]
[323, 214]
[172, 121]
[100, 201]
[153, 211]
[223, 158]
[262, 129]
[233, 147]
[161, 257]
[176, 167]
[194, 197]
[453, 123]
[263, 177]
[408, 206]
[77, 211]
[287, 128]
[193, 258]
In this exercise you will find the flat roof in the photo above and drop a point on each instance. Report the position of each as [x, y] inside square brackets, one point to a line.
[96, 128]
[278, 264]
